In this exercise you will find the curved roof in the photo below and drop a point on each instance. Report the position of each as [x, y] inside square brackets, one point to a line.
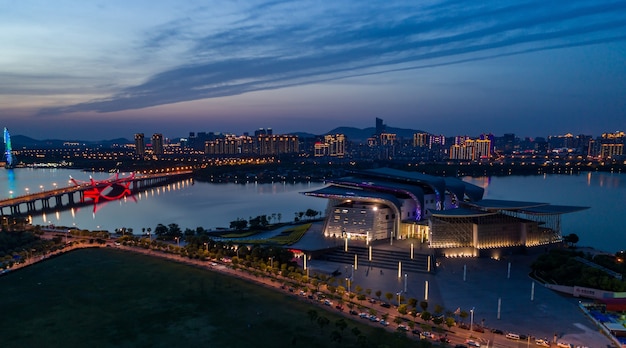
[338, 192]
[497, 204]
[416, 192]
[524, 207]
[461, 189]
[460, 212]
[554, 209]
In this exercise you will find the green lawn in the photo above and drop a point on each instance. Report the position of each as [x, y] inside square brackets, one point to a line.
[109, 298]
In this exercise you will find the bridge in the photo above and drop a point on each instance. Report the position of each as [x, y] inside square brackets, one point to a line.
[81, 192]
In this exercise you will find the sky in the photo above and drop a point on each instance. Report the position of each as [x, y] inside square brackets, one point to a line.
[94, 70]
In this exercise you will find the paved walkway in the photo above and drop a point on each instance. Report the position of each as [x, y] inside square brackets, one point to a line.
[487, 285]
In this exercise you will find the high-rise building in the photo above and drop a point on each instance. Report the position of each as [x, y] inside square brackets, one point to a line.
[140, 144]
[157, 144]
[420, 140]
[471, 150]
[334, 145]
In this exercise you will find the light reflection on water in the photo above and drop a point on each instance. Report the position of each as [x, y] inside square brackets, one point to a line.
[195, 204]
[187, 203]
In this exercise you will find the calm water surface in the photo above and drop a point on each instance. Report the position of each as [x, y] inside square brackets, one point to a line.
[195, 204]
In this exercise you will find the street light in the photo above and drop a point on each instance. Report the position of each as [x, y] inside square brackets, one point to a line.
[399, 293]
[471, 319]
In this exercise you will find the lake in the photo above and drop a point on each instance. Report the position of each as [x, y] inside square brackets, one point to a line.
[192, 204]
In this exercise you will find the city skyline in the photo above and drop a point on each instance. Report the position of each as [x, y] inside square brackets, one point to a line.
[84, 70]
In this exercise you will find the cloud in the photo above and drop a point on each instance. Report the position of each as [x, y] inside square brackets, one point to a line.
[270, 49]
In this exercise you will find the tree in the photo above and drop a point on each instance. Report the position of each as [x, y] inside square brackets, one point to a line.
[402, 309]
[426, 316]
[378, 293]
[412, 302]
[571, 239]
[388, 296]
[160, 230]
[464, 315]
[450, 322]
[423, 305]
[335, 336]
[358, 289]
[239, 224]
[174, 230]
[341, 324]
[310, 213]
[322, 322]
[312, 313]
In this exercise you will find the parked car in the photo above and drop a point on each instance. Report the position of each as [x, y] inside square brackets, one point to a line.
[541, 342]
[478, 329]
[353, 312]
[384, 323]
[385, 304]
[497, 331]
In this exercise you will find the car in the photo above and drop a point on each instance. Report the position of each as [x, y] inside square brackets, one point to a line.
[424, 335]
[463, 326]
[460, 346]
[472, 343]
[372, 301]
[364, 315]
[478, 329]
[562, 344]
[497, 331]
[338, 307]
[541, 342]
[290, 289]
[353, 312]
[444, 339]
[384, 323]
[402, 327]
[374, 318]
[416, 332]
[385, 304]
[328, 303]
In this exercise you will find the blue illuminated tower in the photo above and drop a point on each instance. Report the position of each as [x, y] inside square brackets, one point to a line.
[7, 149]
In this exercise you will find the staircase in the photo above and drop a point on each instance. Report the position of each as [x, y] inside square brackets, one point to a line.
[381, 258]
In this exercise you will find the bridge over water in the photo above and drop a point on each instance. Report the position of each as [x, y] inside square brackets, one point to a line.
[82, 192]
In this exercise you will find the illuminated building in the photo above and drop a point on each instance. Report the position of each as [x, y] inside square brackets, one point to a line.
[157, 144]
[334, 145]
[140, 144]
[420, 140]
[447, 213]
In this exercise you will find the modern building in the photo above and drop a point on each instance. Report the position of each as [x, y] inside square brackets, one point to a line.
[157, 144]
[334, 145]
[140, 144]
[447, 214]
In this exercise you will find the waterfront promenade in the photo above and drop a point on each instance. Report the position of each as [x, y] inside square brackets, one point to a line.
[547, 315]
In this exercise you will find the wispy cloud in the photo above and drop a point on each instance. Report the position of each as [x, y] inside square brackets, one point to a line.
[280, 43]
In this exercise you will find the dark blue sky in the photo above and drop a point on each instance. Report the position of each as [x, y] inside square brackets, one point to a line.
[102, 70]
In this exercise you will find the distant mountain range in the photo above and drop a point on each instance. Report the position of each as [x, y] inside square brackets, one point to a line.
[352, 133]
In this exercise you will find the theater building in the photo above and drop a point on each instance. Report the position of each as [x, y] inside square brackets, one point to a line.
[449, 215]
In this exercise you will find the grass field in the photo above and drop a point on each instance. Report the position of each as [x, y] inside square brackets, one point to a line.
[110, 298]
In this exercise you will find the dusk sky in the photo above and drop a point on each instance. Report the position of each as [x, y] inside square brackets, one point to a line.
[92, 70]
